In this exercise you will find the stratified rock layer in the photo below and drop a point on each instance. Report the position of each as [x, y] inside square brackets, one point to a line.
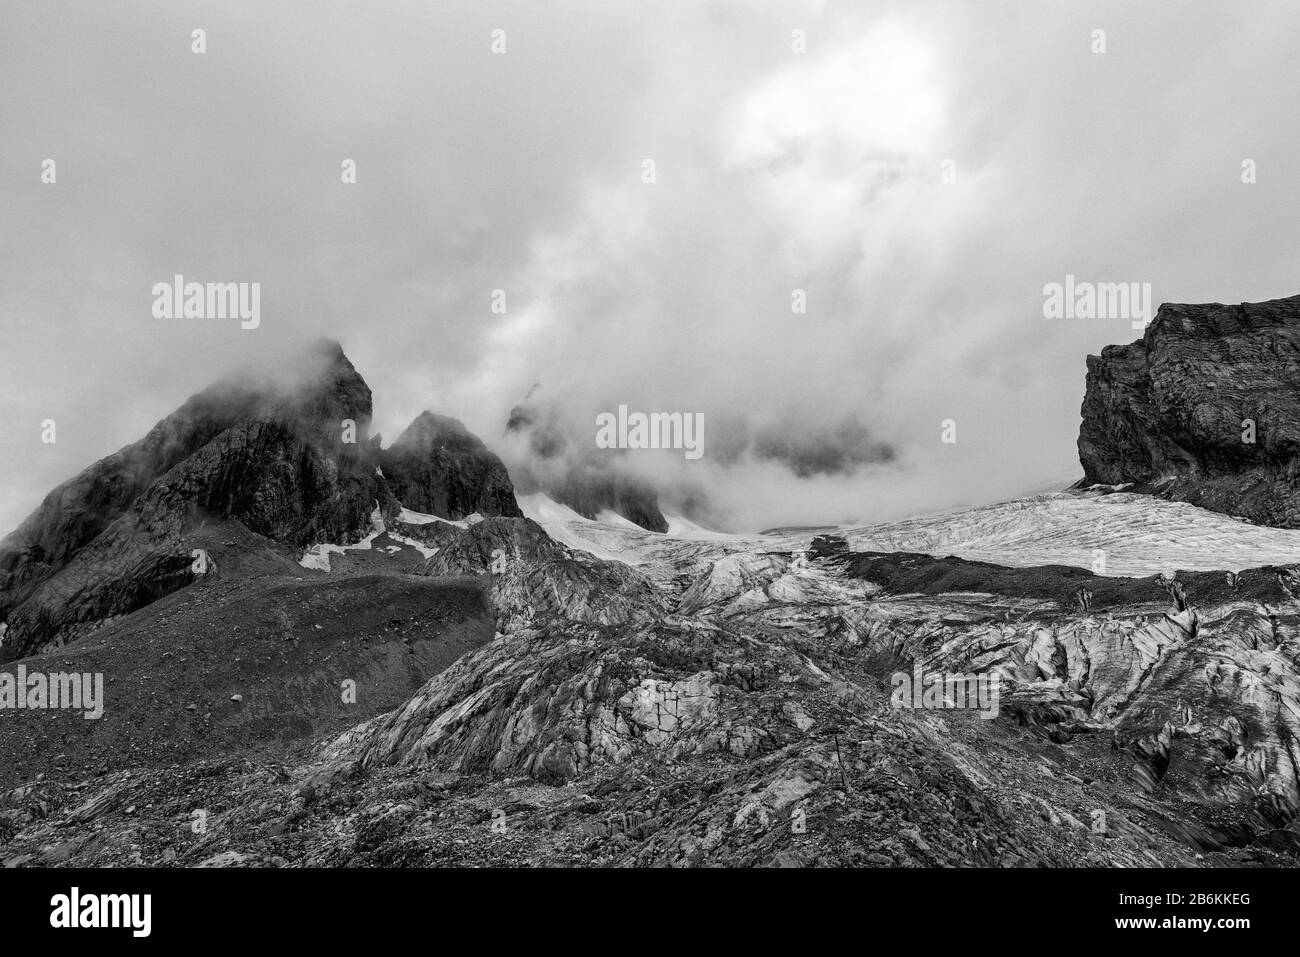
[1205, 408]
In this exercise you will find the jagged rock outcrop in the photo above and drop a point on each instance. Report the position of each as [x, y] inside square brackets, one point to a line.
[1205, 408]
[439, 467]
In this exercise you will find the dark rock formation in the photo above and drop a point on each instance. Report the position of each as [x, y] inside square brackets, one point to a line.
[247, 466]
[1172, 413]
[828, 546]
[120, 535]
[437, 466]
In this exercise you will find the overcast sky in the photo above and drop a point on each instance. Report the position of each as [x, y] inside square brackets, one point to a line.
[523, 171]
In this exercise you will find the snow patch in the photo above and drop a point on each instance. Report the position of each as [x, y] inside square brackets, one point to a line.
[681, 527]
[408, 517]
[611, 517]
[541, 508]
[566, 526]
[420, 547]
[318, 556]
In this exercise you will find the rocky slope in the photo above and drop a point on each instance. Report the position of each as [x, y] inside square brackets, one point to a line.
[245, 666]
[1205, 408]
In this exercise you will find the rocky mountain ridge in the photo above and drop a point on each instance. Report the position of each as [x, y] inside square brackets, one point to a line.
[247, 471]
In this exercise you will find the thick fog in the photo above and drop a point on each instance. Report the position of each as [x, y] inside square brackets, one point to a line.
[909, 175]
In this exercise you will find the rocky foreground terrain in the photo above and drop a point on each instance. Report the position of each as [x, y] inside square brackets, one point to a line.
[355, 681]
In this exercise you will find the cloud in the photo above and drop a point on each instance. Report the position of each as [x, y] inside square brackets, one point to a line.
[776, 172]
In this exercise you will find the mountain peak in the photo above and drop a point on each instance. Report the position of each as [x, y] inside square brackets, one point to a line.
[439, 467]
[276, 457]
[430, 430]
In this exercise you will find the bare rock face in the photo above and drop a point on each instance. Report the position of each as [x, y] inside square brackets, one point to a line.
[439, 467]
[1205, 409]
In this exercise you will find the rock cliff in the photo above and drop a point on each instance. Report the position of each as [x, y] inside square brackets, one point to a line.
[1205, 409]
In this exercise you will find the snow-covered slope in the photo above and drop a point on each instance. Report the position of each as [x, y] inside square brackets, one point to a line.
[569, 528]
[1139, 535]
